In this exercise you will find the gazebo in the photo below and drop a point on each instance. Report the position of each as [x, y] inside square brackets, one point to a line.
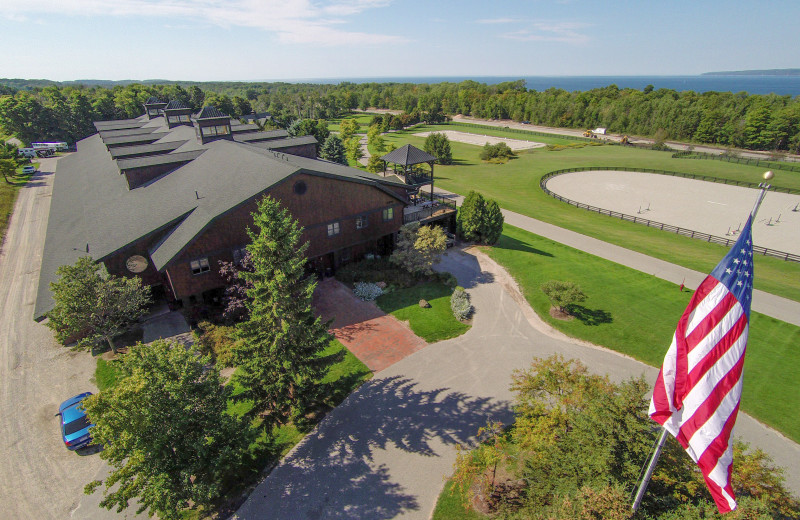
[408, 157]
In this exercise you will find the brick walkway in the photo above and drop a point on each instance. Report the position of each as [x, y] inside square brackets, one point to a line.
[377, 339]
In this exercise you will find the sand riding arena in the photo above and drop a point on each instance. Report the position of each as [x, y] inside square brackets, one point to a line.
[704, 206]
[480, 140]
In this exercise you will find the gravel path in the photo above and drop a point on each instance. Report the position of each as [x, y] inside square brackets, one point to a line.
[41, 478]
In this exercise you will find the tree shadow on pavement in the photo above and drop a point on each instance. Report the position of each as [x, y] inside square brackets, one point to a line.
[335, 473]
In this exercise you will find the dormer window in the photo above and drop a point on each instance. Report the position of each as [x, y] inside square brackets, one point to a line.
[182, 118]
[209, 131]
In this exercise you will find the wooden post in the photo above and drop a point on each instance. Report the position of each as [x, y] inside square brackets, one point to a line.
[431, 163]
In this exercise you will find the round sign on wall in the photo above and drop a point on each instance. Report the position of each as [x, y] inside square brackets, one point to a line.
[136, 263]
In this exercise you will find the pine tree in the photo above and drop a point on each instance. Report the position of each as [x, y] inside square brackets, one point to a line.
[279, 346]
[333, 150]
[470, 217]
[492, 226]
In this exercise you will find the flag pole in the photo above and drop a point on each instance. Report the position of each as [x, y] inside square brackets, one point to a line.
[764, 187]
[662, 439]
[650, 468]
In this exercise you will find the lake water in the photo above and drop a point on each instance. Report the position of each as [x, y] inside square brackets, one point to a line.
[781, 85]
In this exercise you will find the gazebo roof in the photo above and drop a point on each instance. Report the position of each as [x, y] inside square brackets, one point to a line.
[408, 155]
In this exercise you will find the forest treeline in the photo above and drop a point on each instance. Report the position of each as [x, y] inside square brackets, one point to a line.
[41, 110]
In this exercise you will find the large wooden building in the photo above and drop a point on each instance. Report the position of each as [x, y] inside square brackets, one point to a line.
[168, 195]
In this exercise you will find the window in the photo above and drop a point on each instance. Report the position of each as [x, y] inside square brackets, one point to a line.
[333, 229]
[361, 222]
[178, 119]
[216, 130]
[200, 266]
[388, 214]
[238, 254]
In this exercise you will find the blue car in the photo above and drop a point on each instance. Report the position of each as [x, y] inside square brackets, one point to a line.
[74, 423]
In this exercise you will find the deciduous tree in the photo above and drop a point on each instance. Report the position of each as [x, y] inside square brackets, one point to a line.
[438, 145]
[165, 431]
[418, 248]
[562, 294]
[348, 128]
[93, 307]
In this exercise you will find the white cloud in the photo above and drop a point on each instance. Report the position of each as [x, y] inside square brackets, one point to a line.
[564, 32]
[293, 21]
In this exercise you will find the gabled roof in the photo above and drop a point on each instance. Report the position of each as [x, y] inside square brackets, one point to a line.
[155, 160]
[93, 208]
[119, 124]
[210, 112]
[132, 139]
[127, 131]
[145, 149]
[175, 105]
[278, 144]
[408, 155]
[260, 136]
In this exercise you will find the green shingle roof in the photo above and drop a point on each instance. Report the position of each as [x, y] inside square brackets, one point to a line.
[92, 205]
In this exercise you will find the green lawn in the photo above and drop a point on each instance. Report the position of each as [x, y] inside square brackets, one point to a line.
[106, 374]
[433, 324]
[515, 185]
[635, 313]
[363, 120]
[450, 506]
[8, 196]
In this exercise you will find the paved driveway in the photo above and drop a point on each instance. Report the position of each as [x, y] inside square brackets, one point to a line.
[384, 453]
[377, 339]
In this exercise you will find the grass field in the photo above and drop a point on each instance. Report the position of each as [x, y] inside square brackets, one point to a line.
[635, 313]
[363, 120]
[8, 196]
[434, 324]
[515, 185]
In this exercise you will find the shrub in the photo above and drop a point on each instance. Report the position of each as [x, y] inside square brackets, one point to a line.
[499, 152]
[562, 294]
[374, 271]
[446, 278]
[366, 291]
[459, 303]
[217, 341]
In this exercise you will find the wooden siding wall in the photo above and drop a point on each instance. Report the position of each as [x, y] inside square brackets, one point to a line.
[115, 264]
[303, 150]
[325, 201]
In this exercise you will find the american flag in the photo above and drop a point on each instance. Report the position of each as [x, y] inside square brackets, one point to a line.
[696, 397]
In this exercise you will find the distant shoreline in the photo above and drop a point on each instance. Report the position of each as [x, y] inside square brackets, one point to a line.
[752, 83]
[765, 72]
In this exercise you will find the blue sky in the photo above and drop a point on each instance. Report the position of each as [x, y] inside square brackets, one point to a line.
[206, 40]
